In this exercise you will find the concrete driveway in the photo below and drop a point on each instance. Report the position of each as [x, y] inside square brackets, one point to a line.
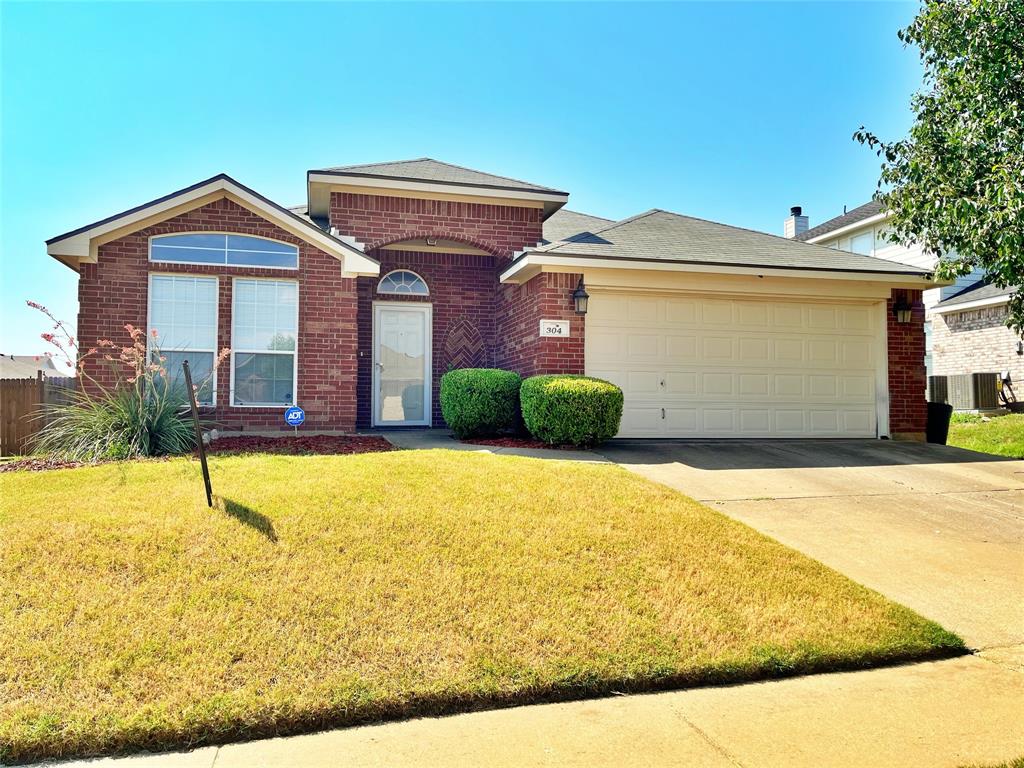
[936, 528]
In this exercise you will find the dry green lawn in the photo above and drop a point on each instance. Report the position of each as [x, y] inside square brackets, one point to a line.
[329, 590]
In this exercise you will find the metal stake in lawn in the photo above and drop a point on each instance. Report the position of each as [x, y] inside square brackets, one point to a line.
[199, 432]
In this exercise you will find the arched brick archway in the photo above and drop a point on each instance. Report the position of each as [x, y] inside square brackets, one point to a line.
[433, 234]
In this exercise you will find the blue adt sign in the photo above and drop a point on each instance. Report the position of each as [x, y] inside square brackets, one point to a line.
[294, 416]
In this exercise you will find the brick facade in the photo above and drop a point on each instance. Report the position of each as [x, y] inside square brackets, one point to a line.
[378, 220]
[476, 320]
[114, 291]
[519, 310]
[976, 341]
[908, 410]
[462, 288]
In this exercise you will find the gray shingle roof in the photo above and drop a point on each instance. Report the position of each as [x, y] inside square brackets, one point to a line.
[564, 223]
[435, 171]
[977, 292]
[860, 213]
[27, 366]
[665, 236]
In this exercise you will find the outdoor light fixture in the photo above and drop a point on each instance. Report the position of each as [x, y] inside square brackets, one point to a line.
[579, 297]
[902, 310]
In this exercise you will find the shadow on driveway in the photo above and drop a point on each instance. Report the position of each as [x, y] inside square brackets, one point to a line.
[787, 454]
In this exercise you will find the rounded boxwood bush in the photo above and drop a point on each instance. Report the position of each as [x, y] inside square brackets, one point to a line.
[571, 410]
[480, 402]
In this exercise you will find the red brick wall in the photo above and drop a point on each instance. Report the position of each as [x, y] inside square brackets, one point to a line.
[377, 220]
[520, 308]
[908, 411]
[462, 290]
[113, 292]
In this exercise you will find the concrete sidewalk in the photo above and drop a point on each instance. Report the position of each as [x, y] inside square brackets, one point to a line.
[938, 714]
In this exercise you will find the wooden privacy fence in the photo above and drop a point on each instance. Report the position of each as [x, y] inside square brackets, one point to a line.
[21, 403]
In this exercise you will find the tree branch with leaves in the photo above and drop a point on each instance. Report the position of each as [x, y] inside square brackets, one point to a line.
[955, 185]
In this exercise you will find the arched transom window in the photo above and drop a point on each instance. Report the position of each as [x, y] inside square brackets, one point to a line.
[403, 282]
[223, 249]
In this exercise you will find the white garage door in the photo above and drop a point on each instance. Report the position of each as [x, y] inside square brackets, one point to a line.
[693, 367]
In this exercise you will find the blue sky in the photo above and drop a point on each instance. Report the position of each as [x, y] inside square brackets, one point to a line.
[727, 111]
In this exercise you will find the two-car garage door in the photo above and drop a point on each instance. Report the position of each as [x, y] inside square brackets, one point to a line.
[695, 367]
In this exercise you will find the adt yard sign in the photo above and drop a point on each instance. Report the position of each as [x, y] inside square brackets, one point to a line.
[294, 416]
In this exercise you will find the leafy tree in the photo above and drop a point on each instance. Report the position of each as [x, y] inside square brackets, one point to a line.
[956, 184]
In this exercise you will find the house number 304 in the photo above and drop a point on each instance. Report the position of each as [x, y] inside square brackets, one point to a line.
[554, 328]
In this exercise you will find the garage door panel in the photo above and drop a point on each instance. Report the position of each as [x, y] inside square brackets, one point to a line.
[644, 347]
[734, 367]
[643, 383]
[680, 349]
[719, 420]
[755, 422]
[680, 311]
[754, 384]
[718, 348]
[681, 383]
[754, 350]
[681, 421]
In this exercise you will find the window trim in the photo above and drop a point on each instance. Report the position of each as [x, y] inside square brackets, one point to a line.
[293, 352]
[216, 321]
[394, 293]
[223, 265]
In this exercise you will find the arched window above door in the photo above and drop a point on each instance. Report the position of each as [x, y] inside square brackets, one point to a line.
[402, 282]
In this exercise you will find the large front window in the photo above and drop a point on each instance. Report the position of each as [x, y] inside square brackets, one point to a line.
[264, 327]
[183, 315]
[224, 250]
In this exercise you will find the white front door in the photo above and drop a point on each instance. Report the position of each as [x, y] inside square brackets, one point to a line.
[401, 364]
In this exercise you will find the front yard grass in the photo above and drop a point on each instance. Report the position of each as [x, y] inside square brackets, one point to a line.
[1001, 435]
[330, 590]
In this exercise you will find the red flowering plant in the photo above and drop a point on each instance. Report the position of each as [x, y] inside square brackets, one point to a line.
[144, 413]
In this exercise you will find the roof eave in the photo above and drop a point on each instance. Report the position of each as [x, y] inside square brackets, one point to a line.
[846, 228]
[992, 301]
[550, 200]
[77, 246]
[530, 263]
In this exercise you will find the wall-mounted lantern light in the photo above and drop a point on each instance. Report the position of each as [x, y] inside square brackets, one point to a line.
[903, 310]
[580, 297]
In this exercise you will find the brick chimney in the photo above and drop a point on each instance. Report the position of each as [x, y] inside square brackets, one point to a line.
[796, 224]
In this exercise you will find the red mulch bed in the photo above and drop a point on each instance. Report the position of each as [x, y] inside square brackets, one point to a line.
[307, 444]
[38, 465]
[516, 442]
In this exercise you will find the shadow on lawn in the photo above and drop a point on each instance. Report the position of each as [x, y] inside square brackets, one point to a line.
[248, 516]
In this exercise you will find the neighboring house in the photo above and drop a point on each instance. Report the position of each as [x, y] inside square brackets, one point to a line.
[969, 335]
[30, 366]
[961, 338]
[355, 304]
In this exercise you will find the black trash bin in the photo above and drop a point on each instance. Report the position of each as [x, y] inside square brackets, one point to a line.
[937, 430]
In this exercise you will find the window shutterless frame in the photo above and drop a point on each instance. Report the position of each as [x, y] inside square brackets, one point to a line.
[220, 250]
[216, 322]
[294, 352]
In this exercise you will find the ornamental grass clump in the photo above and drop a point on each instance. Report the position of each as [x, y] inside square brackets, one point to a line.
[480, 402]
[145, 413]
[571, 410]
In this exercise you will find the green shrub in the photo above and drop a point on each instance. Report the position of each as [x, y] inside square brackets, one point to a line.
[479, 402]
[571, 410]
